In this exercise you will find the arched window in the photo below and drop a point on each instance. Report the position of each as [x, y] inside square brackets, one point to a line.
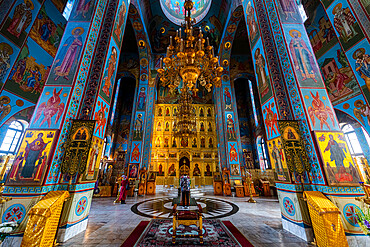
[12, 138]
[352, 140]
[262, 154]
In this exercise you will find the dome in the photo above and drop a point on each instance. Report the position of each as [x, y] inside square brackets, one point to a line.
[174, 10]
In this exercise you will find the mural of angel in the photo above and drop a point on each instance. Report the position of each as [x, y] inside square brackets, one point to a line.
[50, 108]
[362, 111]
[320, 111]
[5, 107]
[261, 70]
[83, 7]
[22, 18]
[101, 120]
[271, 120]
[120, 21]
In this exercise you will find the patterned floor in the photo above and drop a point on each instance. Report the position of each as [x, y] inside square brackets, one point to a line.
[110, 224]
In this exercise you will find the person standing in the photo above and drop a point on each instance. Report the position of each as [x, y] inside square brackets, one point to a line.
[123, 189]
[185, 191]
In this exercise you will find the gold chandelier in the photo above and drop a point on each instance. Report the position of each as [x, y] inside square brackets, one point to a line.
[185, 124]
[190, 59]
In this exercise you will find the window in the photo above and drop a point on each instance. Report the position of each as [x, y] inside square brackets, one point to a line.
[253, 104]
[352, 140]
[262, 154]
[12, 138]
[68, 9]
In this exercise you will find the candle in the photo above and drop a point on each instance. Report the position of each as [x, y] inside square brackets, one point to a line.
[170, 40]
[213, 52]
[207, 41]
[200, 44]
[182, 45]
[161, 63]
[180, 33]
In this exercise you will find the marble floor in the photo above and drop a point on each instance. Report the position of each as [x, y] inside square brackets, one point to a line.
[110, 224]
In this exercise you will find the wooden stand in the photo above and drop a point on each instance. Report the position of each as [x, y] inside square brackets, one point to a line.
[246, 189]
[217, 188]
[226, 181]
[239, 191]
[266, 187]
[142, 184]
[151, 184]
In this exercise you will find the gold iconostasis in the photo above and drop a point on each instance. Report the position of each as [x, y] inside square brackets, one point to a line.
[195, 156]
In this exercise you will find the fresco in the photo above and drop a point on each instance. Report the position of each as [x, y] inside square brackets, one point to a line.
[278, 160]
[252, 25]
[82, 10]
[136, 152]
[93, 162]
[174, 10]
[29, 166]
[320, 31]
[109, 75]
[359, 59]
[101, 117]
[8, 55]
[50, 107]
[345, 24]
[270, 118]
[288, 11]
[358, 109]
[338, 76]
[138, 126]
[366, 5]
[338, 164]
[5, 6]
[10, 105]
[262, 72]
[233, 158]
[227, 98]
[319, 109]
[48, 28]
[68, 56]
[119, 24]
[303, 58]
[30, 71]
[141, 98]
[19, 21]
[230, 126]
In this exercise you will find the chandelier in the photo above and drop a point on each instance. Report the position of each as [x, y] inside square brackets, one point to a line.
[189, 59]
[185, 124]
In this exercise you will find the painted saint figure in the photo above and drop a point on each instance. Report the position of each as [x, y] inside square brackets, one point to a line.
[230, 127]
[277, 155]
[94, 155]
[261, 71]
[109, 79]
[227, 98]
[363, 65]
[321, 111]
[344, 22]
[138, 127]
[141, 100]
[5, 107]
[22, 18]
[69, 54]
[120, 20]
[33, 156]
[362, 111]
[337, 152]
[302, 57]
[83, 8]
[251, 22]
[5, 51]
[289, 8]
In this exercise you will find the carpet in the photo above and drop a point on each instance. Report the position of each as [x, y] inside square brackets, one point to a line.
[158, 232]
